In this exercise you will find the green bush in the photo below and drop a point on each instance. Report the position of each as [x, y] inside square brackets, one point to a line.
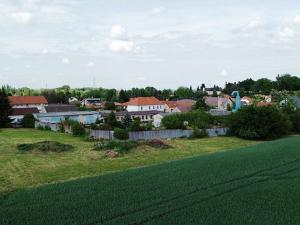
[118, 146]
[197, 119]
[253, 122]
[135, 125]
[121, 134]
[199, 133]
[295, 119]
[45, 146]
[77, 129]
[47, 128]
[28, 121]
[40, 127]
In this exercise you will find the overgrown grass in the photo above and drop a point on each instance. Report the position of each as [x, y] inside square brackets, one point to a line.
[25, 170]
[45, 146]
[257, 185]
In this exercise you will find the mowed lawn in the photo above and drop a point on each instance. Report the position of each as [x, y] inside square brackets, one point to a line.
[257, 185]
[20, 170]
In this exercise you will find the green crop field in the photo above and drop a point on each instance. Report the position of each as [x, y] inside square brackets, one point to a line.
[21, 170]
[257, 185]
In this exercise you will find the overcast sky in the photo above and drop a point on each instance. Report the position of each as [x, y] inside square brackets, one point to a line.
[162, 43]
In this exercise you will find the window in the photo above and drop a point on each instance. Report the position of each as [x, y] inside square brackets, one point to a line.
[142, 117]
[149, 107]
[141, 107]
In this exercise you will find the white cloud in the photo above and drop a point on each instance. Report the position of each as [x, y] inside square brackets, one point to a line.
[121, 46]
[90, 64]
[256, 23]
[224, 73]
[28, 66]
[157, 10]
[141, 78]
[65, 61]
[286, 33]
[45, 51]
[118, 32]
[21, 17]
[297, 19]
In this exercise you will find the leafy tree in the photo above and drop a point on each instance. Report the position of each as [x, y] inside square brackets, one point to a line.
[288, 82]
[5, 108]
[28, 121]
[126, 120]
[253, 122]
[263, 86]
[111, 120]
[121, 134]
[109, 106]
[200, 104]
[123, 96]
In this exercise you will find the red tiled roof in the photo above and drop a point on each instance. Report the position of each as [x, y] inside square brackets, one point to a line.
[170, 104]
[24, 100]
[144, 101]
[23, 111]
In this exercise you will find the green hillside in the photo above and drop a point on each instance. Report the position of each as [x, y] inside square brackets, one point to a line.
[255, 185]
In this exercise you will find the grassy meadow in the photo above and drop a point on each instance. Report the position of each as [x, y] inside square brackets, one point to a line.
[257, 185]
[22, 170]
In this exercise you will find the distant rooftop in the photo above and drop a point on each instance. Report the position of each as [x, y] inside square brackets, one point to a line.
[27, 100]
[76, 113]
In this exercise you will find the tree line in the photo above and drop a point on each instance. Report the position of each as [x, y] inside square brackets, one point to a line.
[247, 87]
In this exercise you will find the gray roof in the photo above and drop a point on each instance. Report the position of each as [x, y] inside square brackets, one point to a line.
[56, 114]
[296, 100]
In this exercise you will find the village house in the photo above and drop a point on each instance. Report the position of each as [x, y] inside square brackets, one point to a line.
[144, 116]
[92, 103]
[246, 101]
[179, 106]
[219, 102]
[144, 104]
[22, 105]
[38, 102]
[54, 119]
[212, 91]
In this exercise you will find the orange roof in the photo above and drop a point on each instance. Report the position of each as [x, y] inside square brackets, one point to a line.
[170, 104]
[144, 101]
[27, 100]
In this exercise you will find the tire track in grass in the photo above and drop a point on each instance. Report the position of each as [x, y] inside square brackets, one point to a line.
[203, 200]
[103, 220]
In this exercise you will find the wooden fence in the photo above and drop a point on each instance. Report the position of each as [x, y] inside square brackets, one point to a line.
[156, 134]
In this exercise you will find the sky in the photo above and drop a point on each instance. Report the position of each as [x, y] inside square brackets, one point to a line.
[134, 43]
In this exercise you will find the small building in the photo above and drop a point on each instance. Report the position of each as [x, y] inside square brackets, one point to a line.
[218, 102]
[18, 114]
[246, 101]
[38, 102]
[212, 91]
[92, 103]
[144, 104]
[296, 101]
[144, 116]
[179, 106]
[53, 119]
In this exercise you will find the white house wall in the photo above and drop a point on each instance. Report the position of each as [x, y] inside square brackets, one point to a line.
[135, 108]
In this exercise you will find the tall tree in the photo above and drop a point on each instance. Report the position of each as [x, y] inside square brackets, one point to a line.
[5, 108]
[126, 120]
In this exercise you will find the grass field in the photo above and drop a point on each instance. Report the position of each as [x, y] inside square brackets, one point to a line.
[257, 185]
[21, 170]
